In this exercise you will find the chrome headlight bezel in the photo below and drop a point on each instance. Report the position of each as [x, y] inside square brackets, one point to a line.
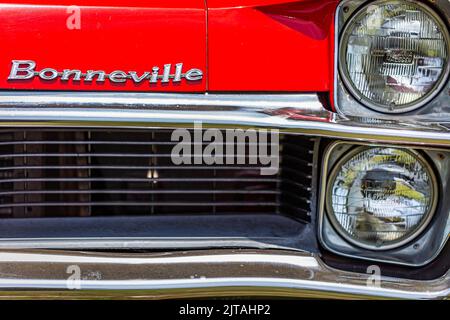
[417, 230]
[346, 98]
[420, 250]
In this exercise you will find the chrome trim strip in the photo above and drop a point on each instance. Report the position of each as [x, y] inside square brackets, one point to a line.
[142, 100]
[245, 286]
[130, 243]
[198, 274]
[227, 257]
[298, 114]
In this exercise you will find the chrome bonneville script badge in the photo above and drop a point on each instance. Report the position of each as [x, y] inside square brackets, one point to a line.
[26, 69]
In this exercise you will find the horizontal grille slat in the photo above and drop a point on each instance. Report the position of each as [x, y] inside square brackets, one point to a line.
[127, 168]
[139, 143]
[145, 180]
[105, 155]
[124, 172]
[296, 159]
[127, 191]
[129, 203]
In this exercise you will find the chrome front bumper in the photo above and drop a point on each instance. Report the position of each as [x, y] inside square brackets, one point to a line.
[218, 273]
[210, 273]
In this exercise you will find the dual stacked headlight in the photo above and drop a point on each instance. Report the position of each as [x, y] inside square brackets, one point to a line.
[381, 197]
[393, 55]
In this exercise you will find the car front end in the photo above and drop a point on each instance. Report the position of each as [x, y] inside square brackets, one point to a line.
[227, 148]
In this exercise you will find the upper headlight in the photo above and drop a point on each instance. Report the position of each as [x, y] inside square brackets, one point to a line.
[393, 55]
[380, 198]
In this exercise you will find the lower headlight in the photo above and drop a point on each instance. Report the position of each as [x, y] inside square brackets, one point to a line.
[381, 198]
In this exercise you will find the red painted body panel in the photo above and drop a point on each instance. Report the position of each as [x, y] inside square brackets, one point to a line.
[264, 46]
[113, 35]
[240, 45]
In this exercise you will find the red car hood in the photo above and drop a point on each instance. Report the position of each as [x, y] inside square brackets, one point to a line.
[167, 46]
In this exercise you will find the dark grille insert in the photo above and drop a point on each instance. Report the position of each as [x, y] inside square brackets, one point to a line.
[80, 173]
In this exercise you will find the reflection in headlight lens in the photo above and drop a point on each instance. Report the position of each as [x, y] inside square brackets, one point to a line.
[380, 196]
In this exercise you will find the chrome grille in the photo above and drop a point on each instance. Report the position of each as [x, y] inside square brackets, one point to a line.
[96, 172]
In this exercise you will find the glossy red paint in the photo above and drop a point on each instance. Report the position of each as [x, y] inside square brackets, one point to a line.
[113, 35]
[270, 45]
[253, 45]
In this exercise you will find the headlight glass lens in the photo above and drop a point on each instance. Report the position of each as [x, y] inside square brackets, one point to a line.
[380, 197]
[393, 54]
